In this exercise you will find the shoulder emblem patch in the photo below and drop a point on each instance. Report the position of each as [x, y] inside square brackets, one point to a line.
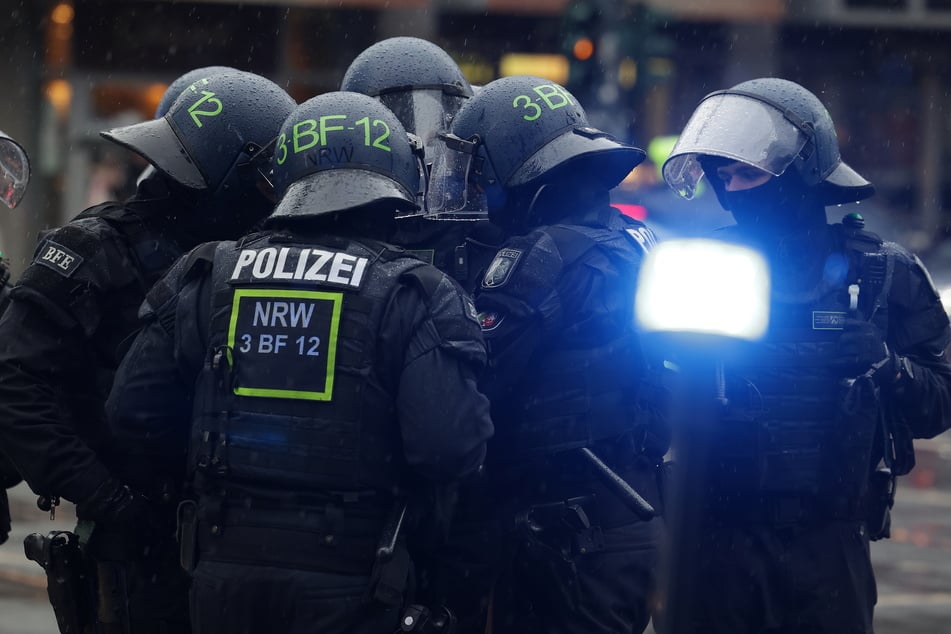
[490, 320]
[58, 258]
[501, 268]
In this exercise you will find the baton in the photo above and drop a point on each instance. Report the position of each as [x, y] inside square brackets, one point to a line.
[631, 498]
[391, 533]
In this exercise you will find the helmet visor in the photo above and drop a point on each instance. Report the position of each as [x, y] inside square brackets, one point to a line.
[454, 193]
[14, 171]
[733, 127]
[425, 113]
[160, 145]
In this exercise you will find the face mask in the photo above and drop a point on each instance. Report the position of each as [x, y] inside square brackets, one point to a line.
[777, 207]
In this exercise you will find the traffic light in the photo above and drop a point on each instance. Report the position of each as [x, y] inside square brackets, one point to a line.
[582, 28]
[646, 46]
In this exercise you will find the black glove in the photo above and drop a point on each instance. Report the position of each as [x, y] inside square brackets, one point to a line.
[861, 349]
[114, 503]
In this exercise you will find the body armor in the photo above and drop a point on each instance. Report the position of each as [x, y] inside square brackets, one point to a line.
[791, 423]
[585, 388]
[295, 402]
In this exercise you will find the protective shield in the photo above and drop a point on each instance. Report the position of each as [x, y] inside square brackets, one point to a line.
[424, 112]
[733, 127]
[14, 171]
[454, 192]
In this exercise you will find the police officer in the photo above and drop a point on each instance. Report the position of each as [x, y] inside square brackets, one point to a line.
[424, 88]
[14, 177]
[336, 382]
[818, 417]
[76, 304]
[564, 362]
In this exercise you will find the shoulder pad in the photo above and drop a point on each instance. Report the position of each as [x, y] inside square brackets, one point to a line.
[107, 210]
[426, 278]
[451, 309]
[858, 239]
[188, 267]
[81, 250]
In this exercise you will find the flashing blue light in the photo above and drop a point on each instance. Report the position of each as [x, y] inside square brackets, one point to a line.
[704, 286]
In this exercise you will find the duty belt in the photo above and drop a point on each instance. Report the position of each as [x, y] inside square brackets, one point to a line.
[331, 539]
[781, 509]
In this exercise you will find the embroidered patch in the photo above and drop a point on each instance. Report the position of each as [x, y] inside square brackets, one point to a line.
[828, 320]
[490, 320]
[501, 268]
[58, 258]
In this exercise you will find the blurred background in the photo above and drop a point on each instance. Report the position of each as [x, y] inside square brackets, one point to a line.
[71, 68]
[74, 67]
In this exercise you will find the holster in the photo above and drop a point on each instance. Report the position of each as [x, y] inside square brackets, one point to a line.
[71, 586]
[880, 499]
[112, 614]
[391, 568]
[563, 529]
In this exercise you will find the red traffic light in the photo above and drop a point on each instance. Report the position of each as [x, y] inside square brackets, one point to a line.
[583, 48]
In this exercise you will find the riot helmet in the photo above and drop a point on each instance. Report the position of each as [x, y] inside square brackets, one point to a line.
[176, 87]
[771, 124]
[518, 134]
[415, 79]
[14, 171]
[343, 151]
[216, 140]
[419, 82]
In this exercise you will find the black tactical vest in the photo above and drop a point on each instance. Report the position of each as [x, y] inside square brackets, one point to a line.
[292, 398]
[582, 391]
[792, 424]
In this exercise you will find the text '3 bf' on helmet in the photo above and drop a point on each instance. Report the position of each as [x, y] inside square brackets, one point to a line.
[341, 151]
[215, 125]
[519, 132]
[772, 124]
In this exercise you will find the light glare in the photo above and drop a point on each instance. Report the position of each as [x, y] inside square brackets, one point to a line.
[704, 286]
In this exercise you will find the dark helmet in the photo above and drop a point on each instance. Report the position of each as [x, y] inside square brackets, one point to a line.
[770, 124]
[176, 87]
[415, 79]
[216, 137]
[14, 171]
[419, 82]
[521, 132]
[341, 151]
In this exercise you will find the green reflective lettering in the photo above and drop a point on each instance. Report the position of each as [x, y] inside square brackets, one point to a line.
[324, 128]
[211, 100]
[365, 122]
[527, 104]
[300, 131]
[554, 96]
[281, 149]
[378, 142]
